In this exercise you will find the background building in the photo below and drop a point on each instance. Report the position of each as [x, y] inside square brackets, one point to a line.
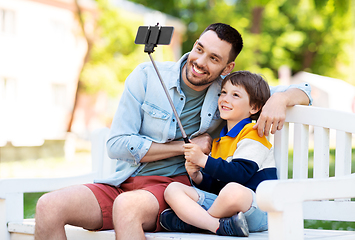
[42, 50]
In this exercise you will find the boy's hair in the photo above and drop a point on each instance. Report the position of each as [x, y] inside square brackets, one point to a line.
[255, 85]
[229, 34]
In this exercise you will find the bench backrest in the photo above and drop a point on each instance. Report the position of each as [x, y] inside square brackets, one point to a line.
[312, 129]
[306, 128]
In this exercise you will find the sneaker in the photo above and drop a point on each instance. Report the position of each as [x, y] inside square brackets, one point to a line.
[234, 226]
[171, 222]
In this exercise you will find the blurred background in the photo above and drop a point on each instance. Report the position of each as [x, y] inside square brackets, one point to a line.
[63, 64]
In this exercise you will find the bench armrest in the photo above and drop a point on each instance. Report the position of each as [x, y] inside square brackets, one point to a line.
[283, 200]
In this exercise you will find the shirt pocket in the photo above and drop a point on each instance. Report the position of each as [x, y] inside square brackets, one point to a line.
[154, 122]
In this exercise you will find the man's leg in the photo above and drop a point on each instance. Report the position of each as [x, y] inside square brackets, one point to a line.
[75, 205]
[133, 213]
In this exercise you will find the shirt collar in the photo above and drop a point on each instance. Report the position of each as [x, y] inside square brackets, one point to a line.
[235, 130]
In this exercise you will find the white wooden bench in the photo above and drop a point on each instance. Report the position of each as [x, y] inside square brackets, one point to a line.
[288, 201]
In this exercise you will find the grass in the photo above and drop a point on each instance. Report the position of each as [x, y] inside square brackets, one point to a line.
[60, 167]
[320, 224]
[44, 168]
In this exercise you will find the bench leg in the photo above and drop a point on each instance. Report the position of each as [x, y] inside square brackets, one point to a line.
[287, 224]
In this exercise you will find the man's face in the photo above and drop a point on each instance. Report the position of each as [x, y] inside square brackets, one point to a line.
[207, 60]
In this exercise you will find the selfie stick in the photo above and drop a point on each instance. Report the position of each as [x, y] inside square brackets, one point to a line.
[151, 41]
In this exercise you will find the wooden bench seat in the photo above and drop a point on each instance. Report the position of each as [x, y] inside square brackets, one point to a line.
[288, 201]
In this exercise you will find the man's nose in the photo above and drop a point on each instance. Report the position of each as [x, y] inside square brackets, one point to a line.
[201, 61]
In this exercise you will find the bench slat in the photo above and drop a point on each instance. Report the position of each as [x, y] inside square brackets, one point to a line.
[321, 153]
[300, 151]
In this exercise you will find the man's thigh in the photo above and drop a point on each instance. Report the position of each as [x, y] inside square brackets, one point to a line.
[153, 186]
[74, 205]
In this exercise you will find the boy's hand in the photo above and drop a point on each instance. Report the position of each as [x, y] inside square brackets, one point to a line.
[194, 171]
[194, 154]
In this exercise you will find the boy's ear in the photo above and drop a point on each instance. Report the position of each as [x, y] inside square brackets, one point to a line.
[254, 110]
[228, 68]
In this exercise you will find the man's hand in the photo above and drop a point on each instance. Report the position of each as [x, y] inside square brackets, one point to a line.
[204, 141]
[272, 115]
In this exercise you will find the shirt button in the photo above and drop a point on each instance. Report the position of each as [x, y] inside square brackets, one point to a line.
[132, 148]
[173, 120]
[181, 99]
[209, 114]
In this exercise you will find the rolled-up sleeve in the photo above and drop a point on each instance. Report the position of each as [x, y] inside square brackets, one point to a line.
[305, 87]
[124, 142]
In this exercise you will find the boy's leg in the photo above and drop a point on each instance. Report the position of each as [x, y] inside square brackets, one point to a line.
[75, 205]
[231, 202]
[256, 218]
[233, 198]
[183, 200]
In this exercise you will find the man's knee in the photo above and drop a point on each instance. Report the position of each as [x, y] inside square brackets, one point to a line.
[46, 205]
[134, 201]
[135, 207]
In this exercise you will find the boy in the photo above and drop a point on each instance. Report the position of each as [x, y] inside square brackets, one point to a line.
[239, 161]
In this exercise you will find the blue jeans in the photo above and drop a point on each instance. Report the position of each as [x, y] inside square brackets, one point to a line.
[256, 218]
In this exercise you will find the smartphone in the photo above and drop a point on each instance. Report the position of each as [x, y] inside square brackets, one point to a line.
[154, 34]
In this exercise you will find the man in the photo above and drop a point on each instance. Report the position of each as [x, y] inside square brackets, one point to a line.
[147, 142]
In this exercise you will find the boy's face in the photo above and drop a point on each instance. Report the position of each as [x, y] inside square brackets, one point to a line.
[208, 59]
[233, 104]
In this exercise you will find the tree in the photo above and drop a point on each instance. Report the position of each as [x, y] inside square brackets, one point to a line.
[306, 35]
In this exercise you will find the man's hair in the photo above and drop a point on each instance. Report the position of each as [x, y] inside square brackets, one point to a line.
[228, 34]
[255, 85]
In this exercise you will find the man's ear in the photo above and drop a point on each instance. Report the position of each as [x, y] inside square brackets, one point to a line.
[228, 68]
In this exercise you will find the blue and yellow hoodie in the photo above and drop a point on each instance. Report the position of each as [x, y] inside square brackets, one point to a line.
[241, 156]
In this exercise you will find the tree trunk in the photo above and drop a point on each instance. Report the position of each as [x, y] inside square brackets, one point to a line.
[86, 59]
[257, 16]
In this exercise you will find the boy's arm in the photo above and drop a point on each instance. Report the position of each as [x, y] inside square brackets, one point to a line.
[238, 170]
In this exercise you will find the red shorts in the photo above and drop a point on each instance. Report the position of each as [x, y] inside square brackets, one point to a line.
[106, 194]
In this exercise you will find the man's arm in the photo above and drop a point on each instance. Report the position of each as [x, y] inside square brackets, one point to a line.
[159, 151]
[273, 113]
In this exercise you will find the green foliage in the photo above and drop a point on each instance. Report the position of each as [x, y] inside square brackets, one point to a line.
[306, 35]
[114, 54]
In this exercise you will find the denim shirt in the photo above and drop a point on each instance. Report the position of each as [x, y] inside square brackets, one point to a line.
[144, 115]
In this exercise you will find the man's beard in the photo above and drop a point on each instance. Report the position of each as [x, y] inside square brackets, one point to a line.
[200, 82]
